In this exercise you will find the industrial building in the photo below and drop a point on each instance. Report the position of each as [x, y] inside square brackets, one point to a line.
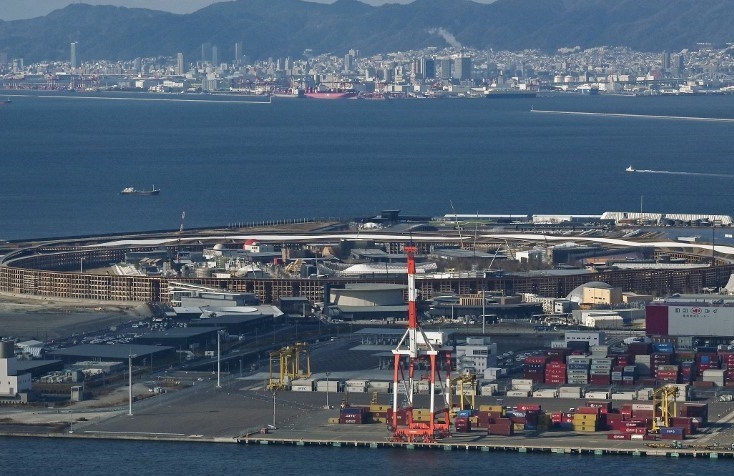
[140, 354]
[14, 385]
[701, 315]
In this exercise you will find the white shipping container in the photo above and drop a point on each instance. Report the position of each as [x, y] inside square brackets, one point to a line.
[523, 388]
[545, 394]
[488, 390]
[301, 388]
[645, 393]
[377, 384]
[357, 382]
[596, 395]
[643, 406]
[518, 393]
[331, 386]
[624, 396]
[521, 381]
[558, 344]
[569, 392]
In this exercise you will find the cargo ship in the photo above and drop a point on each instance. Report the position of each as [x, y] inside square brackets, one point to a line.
[510, 93]
[331, 94]
[134, 191]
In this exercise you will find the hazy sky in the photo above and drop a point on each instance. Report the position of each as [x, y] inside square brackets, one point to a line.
[17, 9]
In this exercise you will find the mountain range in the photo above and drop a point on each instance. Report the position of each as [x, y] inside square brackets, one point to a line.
[279, 28]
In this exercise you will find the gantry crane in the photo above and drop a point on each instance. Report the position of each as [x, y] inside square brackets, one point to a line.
[663, 400]
[465, 387]
[292, 362]
[416, 346]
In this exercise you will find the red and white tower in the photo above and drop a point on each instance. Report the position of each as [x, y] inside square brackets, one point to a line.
[416, 346]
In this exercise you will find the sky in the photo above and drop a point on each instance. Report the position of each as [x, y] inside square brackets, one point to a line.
[21, 9]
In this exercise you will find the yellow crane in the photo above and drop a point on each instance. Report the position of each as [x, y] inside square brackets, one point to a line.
[664, 406]
[289, 363]
[465, 387]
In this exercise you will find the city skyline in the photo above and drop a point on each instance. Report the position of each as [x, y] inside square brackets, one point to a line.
[19, 10]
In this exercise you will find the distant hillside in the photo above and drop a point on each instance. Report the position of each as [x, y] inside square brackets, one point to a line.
[280, 28]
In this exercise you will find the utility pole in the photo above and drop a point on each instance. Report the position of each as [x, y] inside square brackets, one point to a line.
[219, 359]
[130, 384]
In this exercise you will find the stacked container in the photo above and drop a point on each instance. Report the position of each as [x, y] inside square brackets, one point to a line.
[601, 371]
[667, 373]
[716, 376]
[577, 369]
[644, 365]
[569, 392]
[638, 348]
[534, 368]
[586, 419]
[501, 426]
[462, 424]
[617, 375]
[706, 361]
[555, 373]
[727, 363]
[629, 375]
[557, 355]
[687, 372]
[354, 415]
[697, 411]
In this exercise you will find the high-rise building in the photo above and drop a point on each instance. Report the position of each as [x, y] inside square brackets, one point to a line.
[428, 68]
[238, 53]
[180, 64]
[215, 56]
[206, 51]
[73, 58]
[666, 61]
[348, 62]
[462, 68]
[444, 68]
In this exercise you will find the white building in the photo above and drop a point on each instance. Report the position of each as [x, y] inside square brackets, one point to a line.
[11, 384]
[477, 354]
[592, 337]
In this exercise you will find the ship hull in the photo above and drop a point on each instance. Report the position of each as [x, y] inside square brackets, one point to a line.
[331, 95]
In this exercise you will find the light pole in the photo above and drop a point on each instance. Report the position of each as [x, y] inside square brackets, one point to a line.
[219, 359]
[327, 390]
[130, 384]
[274, 425]
[484, 312]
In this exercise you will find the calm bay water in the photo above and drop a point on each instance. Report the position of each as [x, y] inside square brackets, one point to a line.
[43, 456]
[66, 159]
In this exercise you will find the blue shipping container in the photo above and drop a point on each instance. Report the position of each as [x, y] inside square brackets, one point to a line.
[671, 431]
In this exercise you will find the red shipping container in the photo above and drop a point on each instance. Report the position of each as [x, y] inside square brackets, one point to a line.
[588, 410]
[527, 407]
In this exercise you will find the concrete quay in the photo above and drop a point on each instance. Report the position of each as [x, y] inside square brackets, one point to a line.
[240, 411]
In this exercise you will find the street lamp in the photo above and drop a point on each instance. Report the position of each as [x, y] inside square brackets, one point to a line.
[130, 383]
[484, 312]
[219, 359]
[327, 390]
[274, 425]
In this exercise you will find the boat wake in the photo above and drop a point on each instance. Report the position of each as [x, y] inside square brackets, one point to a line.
[642, 116]
[671, 172]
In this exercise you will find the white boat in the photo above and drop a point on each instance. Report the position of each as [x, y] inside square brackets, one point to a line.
[630, 169]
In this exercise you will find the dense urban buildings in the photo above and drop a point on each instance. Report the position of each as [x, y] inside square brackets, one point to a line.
[428, 72]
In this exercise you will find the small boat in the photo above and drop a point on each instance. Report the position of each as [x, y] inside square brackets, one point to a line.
[134, 191]
[630, 169]
[7, 101]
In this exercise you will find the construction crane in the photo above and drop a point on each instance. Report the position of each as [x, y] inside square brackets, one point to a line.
[663, 406]
[458, 225]
[177, 262]
[290, 363]
[415, 346]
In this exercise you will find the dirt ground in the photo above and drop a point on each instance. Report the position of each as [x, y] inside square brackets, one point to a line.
[55, 318]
